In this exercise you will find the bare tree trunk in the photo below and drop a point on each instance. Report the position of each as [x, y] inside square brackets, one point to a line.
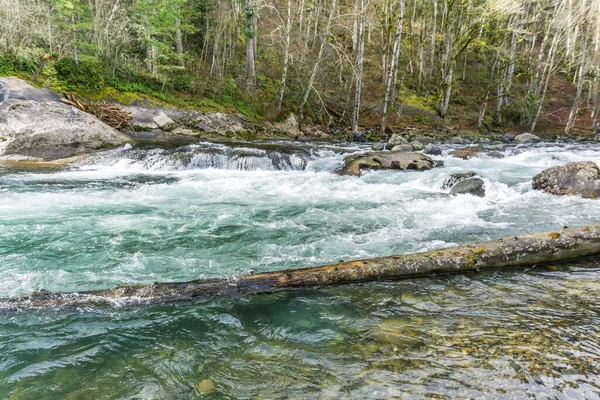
[433, 40]
[317, 64]
[360, 62]
[393, 70]
[250, 34]
[447, 75]
[179, 42]
[286, 57]
[355, 33]
[510, 71]
[550, 63]
[580, 80]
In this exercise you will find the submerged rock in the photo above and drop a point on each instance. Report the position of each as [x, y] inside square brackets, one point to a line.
[527, 138]
[206, 387]
[473, 186]
[456, 177]
[386, 160]
[575, 178]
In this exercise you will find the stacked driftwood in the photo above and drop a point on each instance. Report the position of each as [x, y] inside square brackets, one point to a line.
[109, 113]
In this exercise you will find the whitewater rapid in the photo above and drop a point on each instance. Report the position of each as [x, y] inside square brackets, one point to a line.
[132, 216]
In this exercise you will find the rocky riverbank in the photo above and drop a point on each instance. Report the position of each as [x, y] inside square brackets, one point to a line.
[35, 125]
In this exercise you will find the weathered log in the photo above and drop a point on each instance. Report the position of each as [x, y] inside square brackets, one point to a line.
[508, 252]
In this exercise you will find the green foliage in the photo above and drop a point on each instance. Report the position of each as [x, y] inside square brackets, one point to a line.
[11, 65]
[524, 109]
[88, 74]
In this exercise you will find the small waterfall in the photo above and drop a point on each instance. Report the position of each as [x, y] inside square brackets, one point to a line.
[273, 157]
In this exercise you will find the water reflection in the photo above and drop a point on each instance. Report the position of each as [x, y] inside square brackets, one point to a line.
[518, 334]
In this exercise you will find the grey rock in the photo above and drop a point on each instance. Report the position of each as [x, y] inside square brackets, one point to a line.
[574, 178]
[52, 130]
[378, 146]
[456, 177]
[162, 121]
[18, 89]
[433, 150]
[386, 160]
[527, 138]
[484, 141]
[459, 140]
[396, 140]
[425, 140]
[473, 186]
[402, 148]
[358, 136]
[509, 137]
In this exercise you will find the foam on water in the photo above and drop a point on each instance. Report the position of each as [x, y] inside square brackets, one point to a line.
[132, 216]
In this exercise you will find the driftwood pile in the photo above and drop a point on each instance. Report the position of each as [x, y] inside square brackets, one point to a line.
[109, 113]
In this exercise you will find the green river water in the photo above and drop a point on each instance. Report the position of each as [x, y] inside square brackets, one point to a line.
[132, 216]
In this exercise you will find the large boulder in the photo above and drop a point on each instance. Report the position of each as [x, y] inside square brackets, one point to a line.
[575, 178]
[386, 160]
[15, 88]
[473, 186]
[527, 138]
[35, 126]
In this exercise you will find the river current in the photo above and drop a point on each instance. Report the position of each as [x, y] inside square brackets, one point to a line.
[133, 216]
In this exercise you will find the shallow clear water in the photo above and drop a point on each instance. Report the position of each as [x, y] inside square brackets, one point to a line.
[137, 216]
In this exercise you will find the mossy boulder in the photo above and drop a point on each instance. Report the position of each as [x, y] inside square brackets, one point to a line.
[354, 164]
[574, 178]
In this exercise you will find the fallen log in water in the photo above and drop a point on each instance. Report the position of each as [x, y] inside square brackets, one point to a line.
[508, 252]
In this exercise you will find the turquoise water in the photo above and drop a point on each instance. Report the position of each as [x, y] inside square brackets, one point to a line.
[134, 216]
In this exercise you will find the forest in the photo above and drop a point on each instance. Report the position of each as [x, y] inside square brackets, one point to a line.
[483, 64]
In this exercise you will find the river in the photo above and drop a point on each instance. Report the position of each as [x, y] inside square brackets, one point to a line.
[132, 216]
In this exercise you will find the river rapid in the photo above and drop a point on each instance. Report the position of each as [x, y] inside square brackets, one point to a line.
[132, 216]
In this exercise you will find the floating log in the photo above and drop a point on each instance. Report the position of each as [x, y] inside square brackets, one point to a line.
[534, 249]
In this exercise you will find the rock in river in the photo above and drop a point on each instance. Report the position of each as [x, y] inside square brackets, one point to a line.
[527, 138]
[386, 160]
[474, 186]
[456, 177]
[403, 148]
[575, 178]
[36, 127]
[396, 140]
